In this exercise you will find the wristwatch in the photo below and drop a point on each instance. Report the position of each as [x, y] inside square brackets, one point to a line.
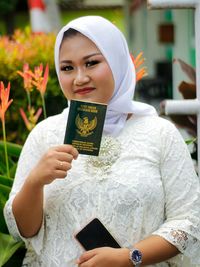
[135, 257]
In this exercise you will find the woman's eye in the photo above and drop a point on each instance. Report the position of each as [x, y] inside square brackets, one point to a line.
[91, 63]
[66, 68]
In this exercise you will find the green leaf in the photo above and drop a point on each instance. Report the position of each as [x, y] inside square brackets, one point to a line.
[8, 246]
[13, 170]
[2, 168]
[4, 193]
[6, 181]
[191, 141]
[13, 149]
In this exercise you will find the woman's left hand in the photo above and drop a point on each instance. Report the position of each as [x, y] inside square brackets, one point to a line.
[105, 257]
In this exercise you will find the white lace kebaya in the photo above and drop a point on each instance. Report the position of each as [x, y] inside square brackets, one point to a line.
[142, 183]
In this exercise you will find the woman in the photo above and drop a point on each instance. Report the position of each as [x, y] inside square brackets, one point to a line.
[142, 186]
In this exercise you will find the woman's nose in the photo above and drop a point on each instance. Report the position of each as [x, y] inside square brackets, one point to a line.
[81, 78]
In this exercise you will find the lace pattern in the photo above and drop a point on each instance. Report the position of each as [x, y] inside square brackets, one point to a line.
[109, 153]
[146, 170]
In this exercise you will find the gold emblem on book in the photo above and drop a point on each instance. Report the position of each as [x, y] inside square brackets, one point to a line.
[85, 127]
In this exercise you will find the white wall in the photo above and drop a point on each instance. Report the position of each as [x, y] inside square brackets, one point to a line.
[183, 42]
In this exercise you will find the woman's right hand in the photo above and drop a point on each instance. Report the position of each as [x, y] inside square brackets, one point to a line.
[55, 163]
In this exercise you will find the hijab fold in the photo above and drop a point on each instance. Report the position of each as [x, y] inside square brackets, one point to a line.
[113, 46]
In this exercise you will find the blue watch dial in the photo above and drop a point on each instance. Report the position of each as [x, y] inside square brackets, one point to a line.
[136, 257]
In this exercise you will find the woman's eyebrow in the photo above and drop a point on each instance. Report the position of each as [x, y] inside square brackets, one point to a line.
[86, 57]
[91, 55]
[65, 61]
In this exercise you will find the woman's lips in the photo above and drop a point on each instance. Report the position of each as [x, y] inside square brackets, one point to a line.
[85, 90]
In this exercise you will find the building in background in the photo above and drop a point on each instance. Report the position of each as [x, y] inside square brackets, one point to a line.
[162, 35]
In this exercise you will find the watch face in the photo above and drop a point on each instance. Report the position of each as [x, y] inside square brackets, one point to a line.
[136, 256]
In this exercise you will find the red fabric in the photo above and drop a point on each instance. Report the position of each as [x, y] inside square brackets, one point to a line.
[36, 4]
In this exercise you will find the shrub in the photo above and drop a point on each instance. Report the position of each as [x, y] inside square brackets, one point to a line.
[26, 47]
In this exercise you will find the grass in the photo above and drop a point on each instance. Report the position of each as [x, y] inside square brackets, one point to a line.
[115, 16]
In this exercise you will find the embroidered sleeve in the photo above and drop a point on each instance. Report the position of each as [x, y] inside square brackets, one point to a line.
[182, 196]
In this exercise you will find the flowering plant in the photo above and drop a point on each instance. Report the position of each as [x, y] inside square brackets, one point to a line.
[4, 104]
[138, 61]
[31, 80]
[24, 46]
[5, 182]
[23, 51]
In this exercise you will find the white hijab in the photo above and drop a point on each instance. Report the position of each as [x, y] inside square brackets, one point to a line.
[112, 44]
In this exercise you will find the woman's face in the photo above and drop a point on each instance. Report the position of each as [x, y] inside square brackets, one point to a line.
[83, 71]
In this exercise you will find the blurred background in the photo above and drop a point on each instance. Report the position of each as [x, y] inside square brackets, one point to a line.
[162, 35]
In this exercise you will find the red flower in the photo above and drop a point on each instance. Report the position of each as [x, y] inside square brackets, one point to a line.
[32, 118]
[4, 100]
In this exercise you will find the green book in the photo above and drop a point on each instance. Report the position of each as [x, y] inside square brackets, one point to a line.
[85, 126]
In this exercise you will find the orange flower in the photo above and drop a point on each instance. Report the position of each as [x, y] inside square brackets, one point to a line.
[27, 77]
[32, 118]
[43, 84]
[40, 81]
[4, 100]
[138, 61]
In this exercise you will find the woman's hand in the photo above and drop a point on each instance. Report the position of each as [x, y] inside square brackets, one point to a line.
[55, 163]
[105, 257]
